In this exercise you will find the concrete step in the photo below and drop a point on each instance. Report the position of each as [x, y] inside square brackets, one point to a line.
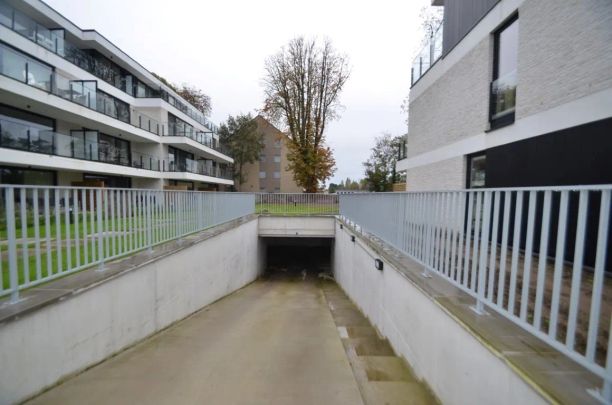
[383, 378]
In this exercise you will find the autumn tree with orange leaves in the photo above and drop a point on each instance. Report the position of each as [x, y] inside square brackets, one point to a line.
[302, 87]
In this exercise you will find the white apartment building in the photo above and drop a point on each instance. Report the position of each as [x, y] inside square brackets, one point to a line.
[76, 110]
[512, 93]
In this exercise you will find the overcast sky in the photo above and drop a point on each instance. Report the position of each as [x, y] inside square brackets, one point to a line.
[220, 46]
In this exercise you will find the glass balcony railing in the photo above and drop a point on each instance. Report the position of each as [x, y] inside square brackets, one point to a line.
[402, 150]
[203, 167]
[430, 53]
[204, 138]
[30, 138]
[21, 67]
[144, 161]
[54, 41]
[503, 96]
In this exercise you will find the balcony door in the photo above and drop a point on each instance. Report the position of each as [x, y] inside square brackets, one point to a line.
[85, 144]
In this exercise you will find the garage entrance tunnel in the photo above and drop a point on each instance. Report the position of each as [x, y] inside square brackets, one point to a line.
[298, 258]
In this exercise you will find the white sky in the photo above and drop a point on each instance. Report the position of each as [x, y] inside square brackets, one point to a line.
[220, 46]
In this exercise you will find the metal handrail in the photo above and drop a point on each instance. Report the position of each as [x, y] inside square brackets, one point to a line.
[512, 250]
[49, 232]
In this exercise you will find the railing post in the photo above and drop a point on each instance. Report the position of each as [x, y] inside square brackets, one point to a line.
[149, 222]
[484, 243]
[12, 244]
[100, 229]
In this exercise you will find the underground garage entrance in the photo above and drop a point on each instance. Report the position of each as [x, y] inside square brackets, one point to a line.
[297, 258]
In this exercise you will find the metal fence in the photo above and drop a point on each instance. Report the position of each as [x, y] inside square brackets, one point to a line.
[296, 204]
[535, 255]
[48, 232]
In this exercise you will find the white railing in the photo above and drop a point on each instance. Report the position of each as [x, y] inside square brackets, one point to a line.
[535, 255]
[48, 232]
[296, 204]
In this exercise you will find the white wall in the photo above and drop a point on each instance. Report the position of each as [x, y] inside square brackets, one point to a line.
[69, 335]
[454, 363]
[296, 226]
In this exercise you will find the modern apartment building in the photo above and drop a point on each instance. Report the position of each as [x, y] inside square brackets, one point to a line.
[513, 93]
[76, 110]
[270, 173]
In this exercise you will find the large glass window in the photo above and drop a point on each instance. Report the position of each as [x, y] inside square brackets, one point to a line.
[17, 175]
[179, 160]
[23, 130]
[109, 181]
[113, 150]
[18, 66]
[85, 145]
[503, 87]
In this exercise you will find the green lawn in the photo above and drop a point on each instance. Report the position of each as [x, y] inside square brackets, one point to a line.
[125, 241]
[296, 209]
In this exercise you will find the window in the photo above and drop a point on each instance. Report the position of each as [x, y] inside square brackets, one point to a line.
[262, 157]
[503, 87]
[179, 160]
[109, 181]
[25, 131]
[114, 150]
[277, 175]
[477, 171]
[19, 66]
[15, 175]
[276, 159]
[85, 144]
[277, 143]
[262, 175]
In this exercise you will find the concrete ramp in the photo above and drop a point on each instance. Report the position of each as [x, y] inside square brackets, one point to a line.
[297, 226]
[273, 342]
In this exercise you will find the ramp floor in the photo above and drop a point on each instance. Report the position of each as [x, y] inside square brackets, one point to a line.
[285, 339]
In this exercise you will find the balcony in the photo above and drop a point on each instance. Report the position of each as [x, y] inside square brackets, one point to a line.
[200, 167]
[203, 138]
[82, 145]
[54, 41]
[428, 55]
[22, 68]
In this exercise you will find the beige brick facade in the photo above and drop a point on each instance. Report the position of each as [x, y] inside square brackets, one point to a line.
[270, 173]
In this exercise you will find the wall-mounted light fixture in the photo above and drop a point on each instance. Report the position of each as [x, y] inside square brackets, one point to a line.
[352, 238]
[378, 264]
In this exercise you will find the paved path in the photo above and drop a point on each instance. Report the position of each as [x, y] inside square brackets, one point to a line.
[273, 342]
[277, 341]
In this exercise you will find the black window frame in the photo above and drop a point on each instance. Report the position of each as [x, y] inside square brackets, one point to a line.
[468, 171]
[509, 118]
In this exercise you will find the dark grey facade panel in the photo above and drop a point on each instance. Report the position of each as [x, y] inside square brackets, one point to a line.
[460, 16]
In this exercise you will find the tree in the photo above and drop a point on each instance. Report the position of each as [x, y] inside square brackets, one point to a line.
[191, 94]
[240, 135]
[196, 98]
[380, 166]
[431, 18]
[302, 87]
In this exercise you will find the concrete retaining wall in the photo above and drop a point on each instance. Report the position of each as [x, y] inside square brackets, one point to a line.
[297, 226]
[455, 364]
[64, 337]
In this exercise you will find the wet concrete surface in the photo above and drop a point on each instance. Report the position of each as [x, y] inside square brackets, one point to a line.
[277, 341]
[383, 378]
